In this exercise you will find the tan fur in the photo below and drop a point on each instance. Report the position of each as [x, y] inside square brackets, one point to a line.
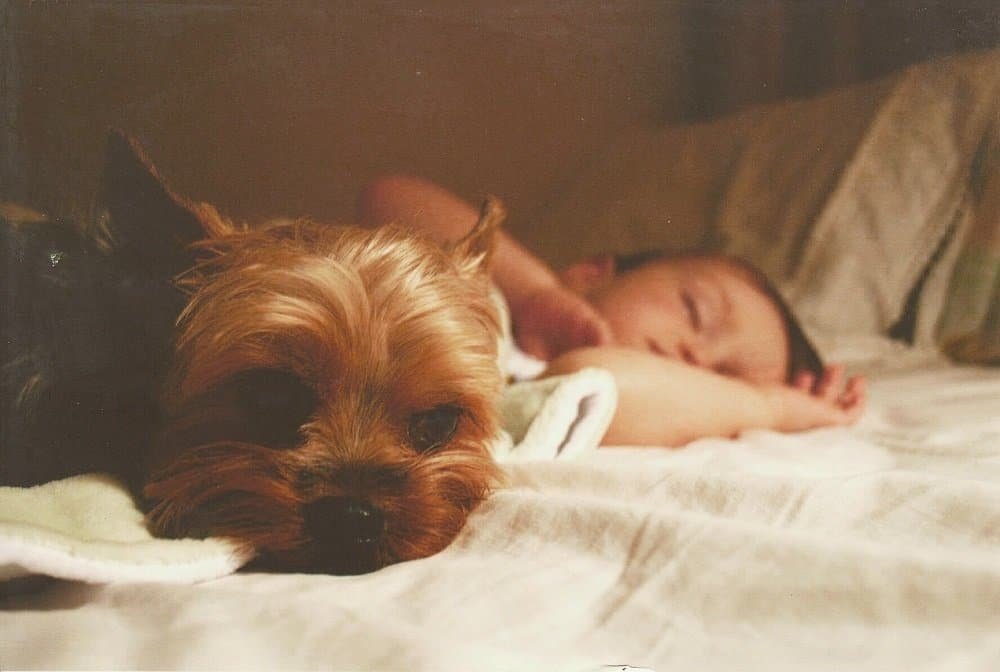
[379, 325]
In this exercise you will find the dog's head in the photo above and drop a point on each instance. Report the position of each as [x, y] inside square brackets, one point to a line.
[87, 309]
[332, 391]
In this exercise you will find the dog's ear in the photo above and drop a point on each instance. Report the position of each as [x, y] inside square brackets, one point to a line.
[146, 224]
[474, 250]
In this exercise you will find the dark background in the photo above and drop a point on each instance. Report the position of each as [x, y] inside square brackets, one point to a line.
[269, 108]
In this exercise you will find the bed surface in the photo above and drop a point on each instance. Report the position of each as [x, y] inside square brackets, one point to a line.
[871, 548]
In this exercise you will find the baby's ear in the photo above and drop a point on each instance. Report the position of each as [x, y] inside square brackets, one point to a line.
[587, 275]
[147, 224]
[473, 252]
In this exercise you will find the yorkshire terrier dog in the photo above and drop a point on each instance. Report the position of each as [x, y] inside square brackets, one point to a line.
[324, 395]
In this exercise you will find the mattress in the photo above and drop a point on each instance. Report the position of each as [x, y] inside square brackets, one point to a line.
[875, 547]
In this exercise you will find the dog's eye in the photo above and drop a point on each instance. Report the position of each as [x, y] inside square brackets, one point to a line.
[432, 429]
[276, 403]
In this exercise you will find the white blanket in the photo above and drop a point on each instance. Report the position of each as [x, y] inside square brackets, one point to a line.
[870, 548]
[88, 528]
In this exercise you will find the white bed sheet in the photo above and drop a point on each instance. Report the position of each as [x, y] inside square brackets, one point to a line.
[873, 548]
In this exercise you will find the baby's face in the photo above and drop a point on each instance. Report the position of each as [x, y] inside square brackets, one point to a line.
[702, 310]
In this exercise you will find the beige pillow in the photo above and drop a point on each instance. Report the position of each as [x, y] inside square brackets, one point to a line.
[744, 182]
[903, 192]
[967, 324]
[843, 200]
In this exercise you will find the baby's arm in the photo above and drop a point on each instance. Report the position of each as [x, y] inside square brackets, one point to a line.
[668, 402]
[548, 318]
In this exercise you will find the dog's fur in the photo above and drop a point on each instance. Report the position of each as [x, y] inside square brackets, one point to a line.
[324, 395]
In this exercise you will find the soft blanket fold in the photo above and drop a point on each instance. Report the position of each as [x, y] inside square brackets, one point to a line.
[87, 528]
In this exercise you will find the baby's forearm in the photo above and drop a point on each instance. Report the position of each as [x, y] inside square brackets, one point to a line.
[669, 403]
[427, 208]
[548, 317]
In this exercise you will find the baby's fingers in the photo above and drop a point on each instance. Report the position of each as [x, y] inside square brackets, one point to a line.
[804, 381]
[829, 385]
[853, 399]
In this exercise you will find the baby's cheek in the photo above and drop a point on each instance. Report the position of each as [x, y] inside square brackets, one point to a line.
[624, 327]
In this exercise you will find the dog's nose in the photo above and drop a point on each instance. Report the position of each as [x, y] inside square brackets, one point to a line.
[344, 519]
[346, 532]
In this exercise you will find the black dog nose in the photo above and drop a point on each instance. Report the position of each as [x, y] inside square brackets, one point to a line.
[343, 522]
[345, 534]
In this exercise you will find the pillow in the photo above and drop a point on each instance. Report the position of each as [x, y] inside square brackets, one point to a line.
[965, 322]
[847, 201]
[649, 188]
[903, 196]
[740, 182]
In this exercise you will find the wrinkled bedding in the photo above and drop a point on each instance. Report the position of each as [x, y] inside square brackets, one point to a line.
[870, 548]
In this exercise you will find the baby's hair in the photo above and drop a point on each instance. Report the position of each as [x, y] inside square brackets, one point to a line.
[802, 356]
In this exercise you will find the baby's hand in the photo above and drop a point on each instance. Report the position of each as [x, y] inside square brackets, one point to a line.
[555, 320]
[809, 403]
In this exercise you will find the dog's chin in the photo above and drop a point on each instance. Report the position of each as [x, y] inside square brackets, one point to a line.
[254, 497]
[310, 560]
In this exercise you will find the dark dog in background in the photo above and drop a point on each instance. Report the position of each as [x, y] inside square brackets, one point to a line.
[325, 395]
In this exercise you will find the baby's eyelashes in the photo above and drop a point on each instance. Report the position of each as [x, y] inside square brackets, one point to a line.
[706, 304]
[694, 312]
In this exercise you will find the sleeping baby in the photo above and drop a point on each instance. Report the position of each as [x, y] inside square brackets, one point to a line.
[699, 345]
